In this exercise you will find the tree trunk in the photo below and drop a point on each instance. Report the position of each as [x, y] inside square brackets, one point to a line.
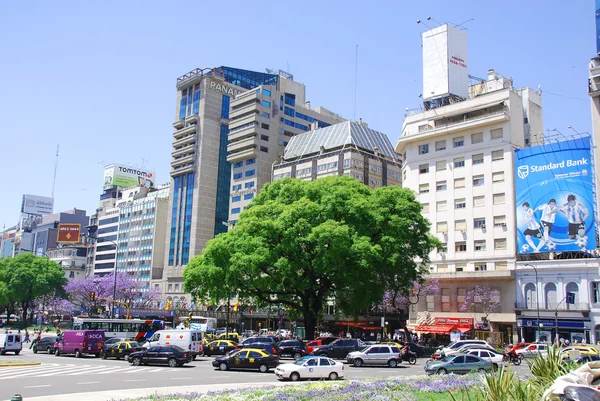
[25, 306]
[311, 308]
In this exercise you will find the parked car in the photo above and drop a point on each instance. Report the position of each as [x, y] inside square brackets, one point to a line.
[294, 348]
[120, 350]
[271, 348]
[114, 340]
[465, 348]
[326, 340]
[458, 364]
[339, 348]
[10, 343]
[220, 347]
[171, 355]
[486, 354]
[310, 367]
[312, 345]
[80, 342]
[588, 358]
[376, 355]
[248, 333]
[261, 339]
[532, 350]
[458, 344]
[187, 339]
[46, 344]
[582, 349]
[248, 358]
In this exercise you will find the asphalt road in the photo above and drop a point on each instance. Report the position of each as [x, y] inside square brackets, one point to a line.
[67, 374]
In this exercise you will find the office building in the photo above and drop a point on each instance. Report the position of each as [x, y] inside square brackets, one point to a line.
[348, 148]
[72, 259]
[201, 171]
[457, 156]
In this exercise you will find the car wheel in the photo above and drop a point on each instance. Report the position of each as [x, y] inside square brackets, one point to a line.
[137, 361]
[297, 355]
[103, 355]
[442, 371]
[481, 370]
[17, 352]
[223, 366]
[392, 363]
[35, 350]
[263, 368]
[295, 376]
[56, 352]
[194, 357]
[49, 350]
[358, 362]
[77, 353]
[172, 363]
[494, 367]
[412, 360]
[126, 358]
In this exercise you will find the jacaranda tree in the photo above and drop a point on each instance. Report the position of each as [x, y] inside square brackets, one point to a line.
[300, 243]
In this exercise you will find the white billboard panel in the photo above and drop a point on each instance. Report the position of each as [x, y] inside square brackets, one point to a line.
[127, 177]
[37, 205]
[445, 62]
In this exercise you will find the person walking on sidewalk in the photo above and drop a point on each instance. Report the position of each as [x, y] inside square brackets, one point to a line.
[26, 339]
[35, 339]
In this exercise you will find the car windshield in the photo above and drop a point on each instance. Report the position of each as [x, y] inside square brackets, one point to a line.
[301, 361]
[448, 359]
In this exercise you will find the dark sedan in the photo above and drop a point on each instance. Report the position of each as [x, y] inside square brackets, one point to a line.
[171, 355]
[46, 344]
[218, 347]
[271, 348]
[248, 358]
[294, 348]
[120, 350]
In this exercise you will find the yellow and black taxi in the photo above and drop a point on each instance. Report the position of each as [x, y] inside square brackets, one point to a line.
[220, 347]
[120, 350]
[247, 358]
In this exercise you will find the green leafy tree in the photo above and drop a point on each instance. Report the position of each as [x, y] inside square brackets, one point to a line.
[27, 277]
[300, 243]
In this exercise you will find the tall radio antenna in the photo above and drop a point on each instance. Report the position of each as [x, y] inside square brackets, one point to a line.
[55, 169]
[355, 83]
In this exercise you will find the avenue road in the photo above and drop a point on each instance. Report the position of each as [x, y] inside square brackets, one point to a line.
[67, 374]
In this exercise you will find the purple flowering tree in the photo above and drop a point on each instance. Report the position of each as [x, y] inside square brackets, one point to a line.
[401, 300]
[126, 288]
[54, 308]
[484, 300]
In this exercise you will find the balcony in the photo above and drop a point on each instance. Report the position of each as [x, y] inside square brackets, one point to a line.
[243, 119]
[552, 306]
[245, 108]
[185, 131]
[178, 124]
[241, 145]
[191, 119]
[181, 170]
[182, 151]
[243, 97]
[476, 275]
[185, 140]
[241, 155]
[238, 135]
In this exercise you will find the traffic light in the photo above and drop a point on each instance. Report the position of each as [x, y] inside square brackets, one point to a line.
[92, 296]
[190, 316]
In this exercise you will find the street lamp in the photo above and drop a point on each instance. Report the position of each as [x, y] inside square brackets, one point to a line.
[537, 295]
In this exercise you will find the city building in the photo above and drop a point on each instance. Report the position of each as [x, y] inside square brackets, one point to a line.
[458, 157]
[104, 254]
[72, 259]
[142, 233]
[262, 122]
[201, 171]
[348, 148]
[7, 246]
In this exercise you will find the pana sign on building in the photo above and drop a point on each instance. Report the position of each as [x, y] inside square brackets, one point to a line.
[221, 87]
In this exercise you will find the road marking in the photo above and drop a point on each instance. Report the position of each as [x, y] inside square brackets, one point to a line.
[88, 383]
[180, 378]
[42, 385]
[136, 380]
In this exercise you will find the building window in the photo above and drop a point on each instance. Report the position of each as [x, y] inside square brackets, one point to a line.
[477, 137]
[250, 173]
[443, 248]
[442, 206]
[478, 180]
[440, 165]
[424, 149]
[498, 176]
[442, 227]
[461, 225]
[445, 299]
[266, 92]
[423, 188]
[266, 104]
[264, 138]
[251, 161]
[479, 201]
[288, 111]
[458, 141]
[501, 265]
[248, 196]
[441, 186]
[459, 182]
[478, 158]
[499, 221]
[442, 268]
[424, 168]
[497, 155]
[460, 247]
[235, 210]
[595, 292]
[225, 107]
[479, 222]
[461, 295]
[499, 199]
[236, 187]
[236, 198]
[440, 145]
[500, 243]
[238, 164]
[459, 162]
[460, 267]
[237, 176]
[425, 208]
[480, 245]
[480, 266]
[248, 185]
[496, 133]
[265, 115]
[430, 299]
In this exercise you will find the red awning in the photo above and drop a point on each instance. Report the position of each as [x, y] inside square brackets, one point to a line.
[464, 329]
[437, 329]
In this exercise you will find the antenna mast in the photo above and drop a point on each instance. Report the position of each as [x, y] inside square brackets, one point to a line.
[55, 168]
[355, 83]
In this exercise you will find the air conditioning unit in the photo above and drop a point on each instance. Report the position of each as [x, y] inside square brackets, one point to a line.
[482, 226]
[502, 224]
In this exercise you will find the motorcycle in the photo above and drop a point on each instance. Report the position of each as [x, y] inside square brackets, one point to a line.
[408, 356]
[511, 357]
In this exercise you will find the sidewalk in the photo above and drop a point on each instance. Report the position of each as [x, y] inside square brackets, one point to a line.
[141, 392]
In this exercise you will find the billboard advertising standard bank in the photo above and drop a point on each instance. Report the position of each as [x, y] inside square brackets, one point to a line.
[127, 177]
[554, 197]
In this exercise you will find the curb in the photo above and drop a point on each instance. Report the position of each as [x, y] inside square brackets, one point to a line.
[6, 364]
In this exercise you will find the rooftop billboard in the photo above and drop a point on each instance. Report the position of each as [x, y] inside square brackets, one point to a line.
[127, 177]
[37, 205]
[554, 197]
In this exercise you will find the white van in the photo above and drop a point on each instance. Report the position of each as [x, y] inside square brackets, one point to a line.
[10, 343]
[187, 339]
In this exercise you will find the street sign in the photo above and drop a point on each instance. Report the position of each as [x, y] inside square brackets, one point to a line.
[68, 232]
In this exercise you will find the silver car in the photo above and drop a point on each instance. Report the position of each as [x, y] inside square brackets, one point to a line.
[376, 355]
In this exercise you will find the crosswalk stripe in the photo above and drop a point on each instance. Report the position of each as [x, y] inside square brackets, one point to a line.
[54, 369]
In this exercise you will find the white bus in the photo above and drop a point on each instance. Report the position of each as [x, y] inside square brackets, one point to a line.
[138, 329]
[199, 323]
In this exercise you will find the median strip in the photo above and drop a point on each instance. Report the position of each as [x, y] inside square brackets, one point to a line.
[17, 363]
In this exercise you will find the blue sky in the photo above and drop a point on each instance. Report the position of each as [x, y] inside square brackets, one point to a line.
[98, 78]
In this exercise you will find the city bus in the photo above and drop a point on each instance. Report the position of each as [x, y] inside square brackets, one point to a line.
[199, 323]
[138, 329]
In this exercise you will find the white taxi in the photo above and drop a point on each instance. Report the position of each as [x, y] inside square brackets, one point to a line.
[311, 367]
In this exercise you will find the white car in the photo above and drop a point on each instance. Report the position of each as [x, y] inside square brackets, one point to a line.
[466, 348]
[533, 350]
[311, 367]
[486, 355]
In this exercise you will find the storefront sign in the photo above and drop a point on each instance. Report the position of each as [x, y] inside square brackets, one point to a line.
[566, 324]
[459, 321]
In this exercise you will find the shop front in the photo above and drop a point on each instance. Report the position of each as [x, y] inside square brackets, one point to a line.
[444, 330]
[546, 330]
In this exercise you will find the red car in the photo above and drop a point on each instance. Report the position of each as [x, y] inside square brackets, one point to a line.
[313, 344]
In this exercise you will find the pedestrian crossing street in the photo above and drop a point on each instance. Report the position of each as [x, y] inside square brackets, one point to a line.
[59, 369]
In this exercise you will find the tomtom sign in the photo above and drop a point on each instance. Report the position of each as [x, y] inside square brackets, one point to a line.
[37, 205]
[127, 177]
